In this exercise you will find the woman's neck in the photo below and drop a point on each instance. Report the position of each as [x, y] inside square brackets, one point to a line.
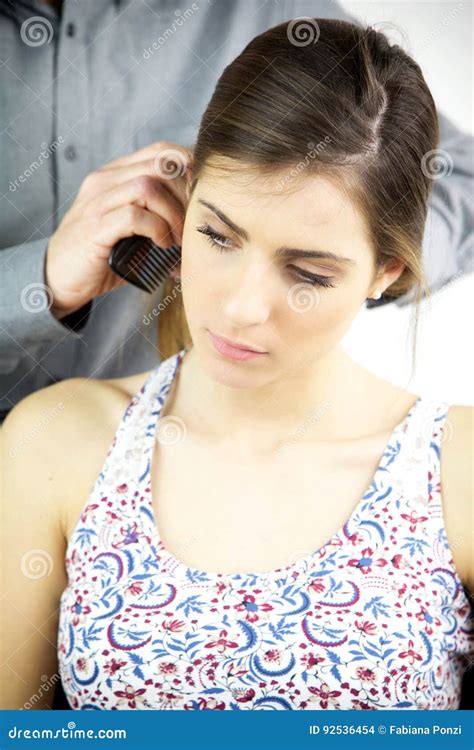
[332, 399]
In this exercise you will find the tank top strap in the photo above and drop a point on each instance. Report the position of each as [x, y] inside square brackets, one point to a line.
[147, 427]
[438, 430]
[135, 433]
[418, 480]
[419, 447]
[420, 455]
[420, 451]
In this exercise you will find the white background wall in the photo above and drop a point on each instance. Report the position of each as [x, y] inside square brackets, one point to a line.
[439, 36]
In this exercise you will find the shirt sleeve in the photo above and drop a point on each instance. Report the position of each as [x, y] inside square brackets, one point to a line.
[449, 231]
[26, 320]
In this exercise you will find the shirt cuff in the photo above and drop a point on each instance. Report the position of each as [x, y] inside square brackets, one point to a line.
[26, 301]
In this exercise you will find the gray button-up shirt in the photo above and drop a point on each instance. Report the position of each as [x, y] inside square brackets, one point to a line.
[102, 79]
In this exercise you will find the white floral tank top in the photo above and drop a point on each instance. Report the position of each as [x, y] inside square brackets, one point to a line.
[377, 618]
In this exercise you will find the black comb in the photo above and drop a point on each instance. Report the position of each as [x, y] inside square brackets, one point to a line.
[144, 264]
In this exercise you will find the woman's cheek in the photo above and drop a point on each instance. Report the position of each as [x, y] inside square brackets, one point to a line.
[195, 287]
[340, 315]
[191, 262]
[325, 324]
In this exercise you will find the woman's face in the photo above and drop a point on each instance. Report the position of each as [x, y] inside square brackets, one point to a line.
[242, 277]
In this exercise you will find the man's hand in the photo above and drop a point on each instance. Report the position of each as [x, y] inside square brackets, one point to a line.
[143, 193]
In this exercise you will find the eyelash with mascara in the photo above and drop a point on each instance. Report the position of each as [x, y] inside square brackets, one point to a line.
[314, 279]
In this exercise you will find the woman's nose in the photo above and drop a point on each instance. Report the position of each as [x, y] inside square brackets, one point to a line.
[248, 300]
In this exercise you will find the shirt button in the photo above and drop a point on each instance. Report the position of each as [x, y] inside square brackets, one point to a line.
[70, 153]
[70, 29]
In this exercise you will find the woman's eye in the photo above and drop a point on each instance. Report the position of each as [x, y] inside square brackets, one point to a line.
[214, 238]
[314, 278]
[218, 241]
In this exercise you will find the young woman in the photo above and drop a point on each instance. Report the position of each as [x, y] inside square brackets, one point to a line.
[258, 522]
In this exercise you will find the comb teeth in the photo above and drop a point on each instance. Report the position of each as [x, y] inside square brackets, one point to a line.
[144, 264]
[156, 264]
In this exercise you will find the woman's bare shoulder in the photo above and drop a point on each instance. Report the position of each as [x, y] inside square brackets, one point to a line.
[61, 434]
[87, 403]
[75, 398]
[52, 445]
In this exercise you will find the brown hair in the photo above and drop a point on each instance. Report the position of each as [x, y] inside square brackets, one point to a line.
[347, 105]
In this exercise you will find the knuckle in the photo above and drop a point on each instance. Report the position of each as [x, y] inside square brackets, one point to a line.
[91, 179]
[160, 145]
[131, 216]
[159, 229]
[89, 212]
[144, 184]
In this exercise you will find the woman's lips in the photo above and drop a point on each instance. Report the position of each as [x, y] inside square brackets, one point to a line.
[234, 352]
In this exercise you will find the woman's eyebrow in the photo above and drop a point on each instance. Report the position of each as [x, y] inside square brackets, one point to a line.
[285, 252]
